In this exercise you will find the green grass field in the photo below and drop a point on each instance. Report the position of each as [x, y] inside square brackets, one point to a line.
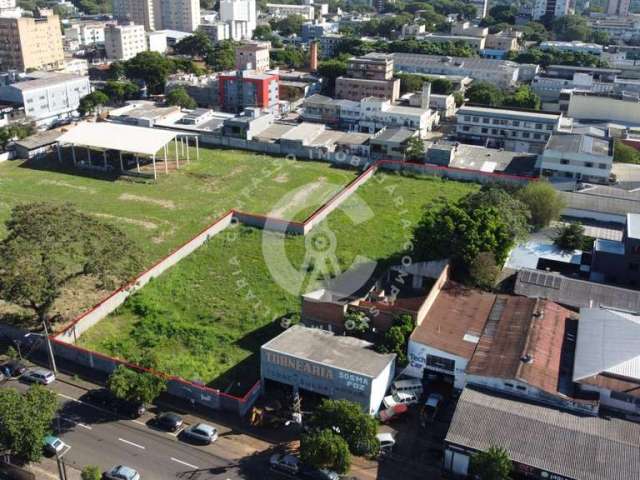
[206, 318]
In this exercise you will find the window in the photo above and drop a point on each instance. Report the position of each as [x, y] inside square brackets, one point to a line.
[538, 126]
[484, 130]
[516, 123]
[466, 117]
[564, 162]
[441, 363]
[624, 397]
[465, 128]
[536, 136]
[485, 120]
[602, 166]
[520, 387]
[588, 164]
[526, 134]
[476, 119]
[508, 385]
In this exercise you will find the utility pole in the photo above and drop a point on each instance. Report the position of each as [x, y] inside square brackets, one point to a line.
[52, 360]
[62, 468]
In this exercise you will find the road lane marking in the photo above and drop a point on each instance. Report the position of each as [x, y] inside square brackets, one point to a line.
[69, 398]
[139, 422]
[71, 420]
[185, 463]
[132, 444]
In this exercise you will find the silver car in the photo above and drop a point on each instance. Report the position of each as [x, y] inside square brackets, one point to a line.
[121, 472]
[39, 375]
[201, 432]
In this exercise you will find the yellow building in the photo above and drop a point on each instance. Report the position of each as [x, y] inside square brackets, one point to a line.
[31, 43]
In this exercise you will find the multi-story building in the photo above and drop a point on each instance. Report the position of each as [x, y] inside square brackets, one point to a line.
[123, 42]
[611, 107]
[180, 15]
[31, 43]
[575, 156]
[550, 8]
[9, 8]
[140, 12]
[575, 46]
[618, 8]
[502, 73]
[474, 42]
[253, 56]
[242, 89]
[279, 10]
[368, 76]
[216, 31]
[618, 261]
[329, 44]
[85, 34]
[46, 97]
[499, 44]
[518, 131]
[313, 31]
[616, 27]
[241, 16]
[203, 89]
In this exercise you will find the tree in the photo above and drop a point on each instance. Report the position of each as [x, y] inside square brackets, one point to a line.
[15, 131]
[544, 203]
[570, 237]
[458, 98]
[441, 86]
[116, 71]
[134, 386]
[47, 246]
[494, 464]
[483, 270]
[623, 153]
[503, 14]
[348, 419]
[25, 419]
[395, 339]
[330, 70]
[289, 25]
[196, 45]
[415, 149]
[485, 93]
[91, 472]
[179, 96]
[410, 82]
[263, 32]
[523, 97]
[152, 68]
[222, 56]
[92, 102]
[290, 57]
[571, 27]
[119, 91]
[325, 449]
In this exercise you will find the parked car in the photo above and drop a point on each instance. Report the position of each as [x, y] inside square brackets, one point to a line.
[412, 385]
[310, 473]
[103, 397]
[53, 445]
[400, 398]
[431, 406]
[387, 441]
[201, 432]
[39, 375]
[285, 463]
[169, 421]
[13, 368]
[121, 472]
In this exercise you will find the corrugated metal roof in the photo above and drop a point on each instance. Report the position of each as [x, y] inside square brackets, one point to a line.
[579, 447]
[608, 342]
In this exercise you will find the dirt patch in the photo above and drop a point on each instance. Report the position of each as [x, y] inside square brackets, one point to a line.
[284, 178]
[168, 204]
[299, 199]
[164, 236]
[131, 221]
[58, 183]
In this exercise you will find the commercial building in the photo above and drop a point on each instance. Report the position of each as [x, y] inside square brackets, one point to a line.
[329, 44]
[617, 108]
[337, 367]
[253, 56]
[241, 16]
[391, 143]
[47, 97]
[180, 15]
[141, 12]
[575, 47]
[536, 439]
[28, 43]
[279, 10]
[618, 262]
[123, 42]
[315, 30]
[216, 31]
[550, 8]
[368, 76]
[514, 130]
[579, 157]
[245, 88]
[619, 8]
[477, 43]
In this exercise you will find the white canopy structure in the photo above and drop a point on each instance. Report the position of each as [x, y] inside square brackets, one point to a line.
[139, 141]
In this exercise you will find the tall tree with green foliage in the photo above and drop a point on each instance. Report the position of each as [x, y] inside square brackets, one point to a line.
[325, 449]
[624, 153]
[571, 27]
[523, 97]
[395, 339]
[15, 131]
[93, 102]
[119, 91]
[485, 93]
[289, 25]
[484, 270]
[494, 464]
[25, 419]
[415, 149]
[543, 201]
[179, 96]
[222, 56]
[47, 246]
[570, 237]
[134, 386]
[329, 70]
[196, 45]
[346, 418]
[152, 68]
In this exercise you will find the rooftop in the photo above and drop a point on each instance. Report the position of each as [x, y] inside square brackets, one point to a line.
[504, 112]
[578, 143]
[303, 131]
[41, 139]
[608, 246]
[633, 225]
[539, 436]
[418, 59]
[455, 321]
[573, 292]
[38, 80]
[394, 135]
[597, 202]
[320, 346]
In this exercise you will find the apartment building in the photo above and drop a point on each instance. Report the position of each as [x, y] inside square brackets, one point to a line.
[499, 44]
[246, 88]
[241, 16]
[180, 15]
[123, 42]
[284, 10]
[616, 27]
[618, 8]
[85, 34]
[46, 96]
[550, 8]
[216, 31]
[31, 43]
[140, 12]
[253, 56]
[574, 47]
[368, 76]
[579, 157]
[513, 130]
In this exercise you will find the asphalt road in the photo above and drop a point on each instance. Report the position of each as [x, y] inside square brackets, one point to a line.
[98, 437]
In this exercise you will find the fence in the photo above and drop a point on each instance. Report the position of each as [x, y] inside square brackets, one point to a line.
[10, 155]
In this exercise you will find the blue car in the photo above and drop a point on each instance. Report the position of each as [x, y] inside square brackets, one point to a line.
[53, 445]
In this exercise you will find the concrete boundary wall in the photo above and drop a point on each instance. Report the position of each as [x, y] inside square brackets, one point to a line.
[64, 341]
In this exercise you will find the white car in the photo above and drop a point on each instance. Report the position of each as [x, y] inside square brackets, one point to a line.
[39, 375]
[399, 398]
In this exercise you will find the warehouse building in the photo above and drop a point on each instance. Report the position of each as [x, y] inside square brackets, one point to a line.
[338, 367]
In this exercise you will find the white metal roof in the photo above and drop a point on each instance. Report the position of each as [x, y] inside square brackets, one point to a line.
[114, 136]
[608, 341]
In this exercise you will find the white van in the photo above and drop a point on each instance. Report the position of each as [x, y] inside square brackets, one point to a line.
[412, 385]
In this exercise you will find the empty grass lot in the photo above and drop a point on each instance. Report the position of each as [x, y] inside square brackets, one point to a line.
[206, 318]
[160, 216]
